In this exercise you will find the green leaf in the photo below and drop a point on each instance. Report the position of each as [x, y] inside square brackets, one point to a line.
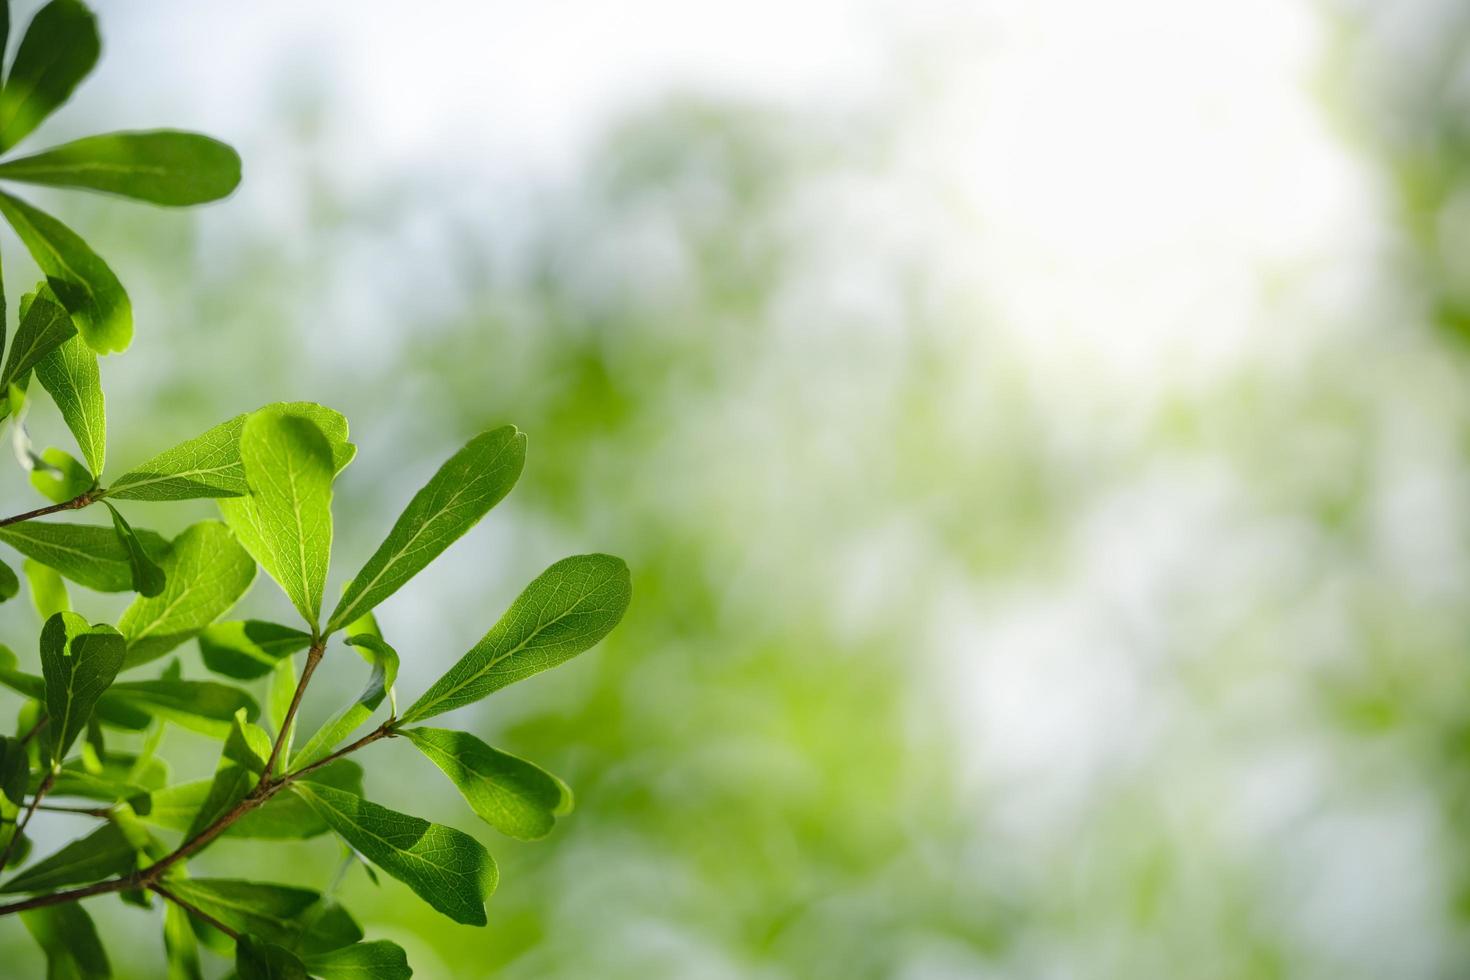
[15, 769]
[88, 554]
[58, 50]
[282, 817]
[566, 610]
[268, 911]
[9, 583]
[384, 661]
[121, 776]
[240, 766]
[256, 960]
[201, 706]
[206, 572]
[48, 591]
[510, 794]
[463, 490]
[378, 960]
[288, 525]
[78, 663]
[43, 328]
[105, 852]
[180, 945]
[282, 693]
[445, 867]
[66, 480]
[69, 373]
[251, 648]
[161, 166]
[148, 577]
[97, 302]
[69, 939]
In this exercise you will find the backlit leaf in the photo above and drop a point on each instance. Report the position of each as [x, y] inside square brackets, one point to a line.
[69, 373]
[87, 554]
[105, 852]
[257, 960]
[58, 50]
[78, 663]
[66, 479]
[240, 766]
[48, 591]
[247, 649]
[378, 960]
[384, 661]
[69, 939]
[160, 166]
[148, 577]
[44, 328]
[512, 795]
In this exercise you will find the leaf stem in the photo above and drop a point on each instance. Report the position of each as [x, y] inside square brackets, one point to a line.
[313, 657]
[75, 503]
[385, 730]
[198, 913]
[86, 811]
[25, 818]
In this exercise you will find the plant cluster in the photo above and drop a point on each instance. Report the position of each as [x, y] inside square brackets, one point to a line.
[89, 733]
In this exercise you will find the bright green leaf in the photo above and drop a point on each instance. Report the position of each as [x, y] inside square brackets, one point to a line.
[88, 554]
[510, 794]
[206, 572]
[282, 693]
[384, 661]
[180, 945]
[78, 662]
[97, 302]
[566, 610]
[148, 577]
[120, 777]
[48, 591]
[251, 648]
[9, 583]
[45, 327]
[282, 817]
[66, 479]
[287, 522]
[69, 373]
[201, 706]
[445, 867]
[378, 960]
[269, 911]
[257, 960]
[69, 939]
[58, 50]
[161, 166]
[240, 766]
[105, 852]
[463, 490]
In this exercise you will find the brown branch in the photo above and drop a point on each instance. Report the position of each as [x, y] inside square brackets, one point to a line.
[313, 657]
[385, 730]
[75, 503]
[25, 818]
[35, 729]
[198, 913]
[86, 811]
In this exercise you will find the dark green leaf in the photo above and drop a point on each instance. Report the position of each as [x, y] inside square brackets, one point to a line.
[119, 777]
[566, 610]
[206, 572]
[247, 649]
[161, 166]
[9, 583]
[15, 769]
[445, 867]
[48, 591]
[463, 490]
[66, 479]
[97, 302]
[181, 946]
[105, 852]
[256, 960]
[240, 767]
[201, 706]
[45, 327]
[78, 663]
[271, 912]
[69, 373]
[69, 939]
[286, 520]
[58, 50]
[282, 817]
[384, 661]
[88, 554]
[510, 794]
[148, 577]
[378, 960]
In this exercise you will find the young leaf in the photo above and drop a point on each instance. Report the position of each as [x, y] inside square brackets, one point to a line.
[78, 663]
[66, 479]
[205, 573]
[148, 577]
[48, 591]
[463, 490]
[45, 327]
[282, 693]
[180, 945]
[251, 648]
[161, 166]
[510, 794]
[59, 49]
[379, 960]
[384, 661]
[288, 528]
[88, 554]
[69, 373]
[105, 852]
[256, 960]
[84, 284]
[240, 766]
[567, 609]
[445, 867]
[9, 584]
[69, 939]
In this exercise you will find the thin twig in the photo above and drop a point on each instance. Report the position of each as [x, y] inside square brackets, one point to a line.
[25, 818]
[198, 913]
[34, 729]
[86, 811]
[313, 657]
[75, 503]
[385, 730]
